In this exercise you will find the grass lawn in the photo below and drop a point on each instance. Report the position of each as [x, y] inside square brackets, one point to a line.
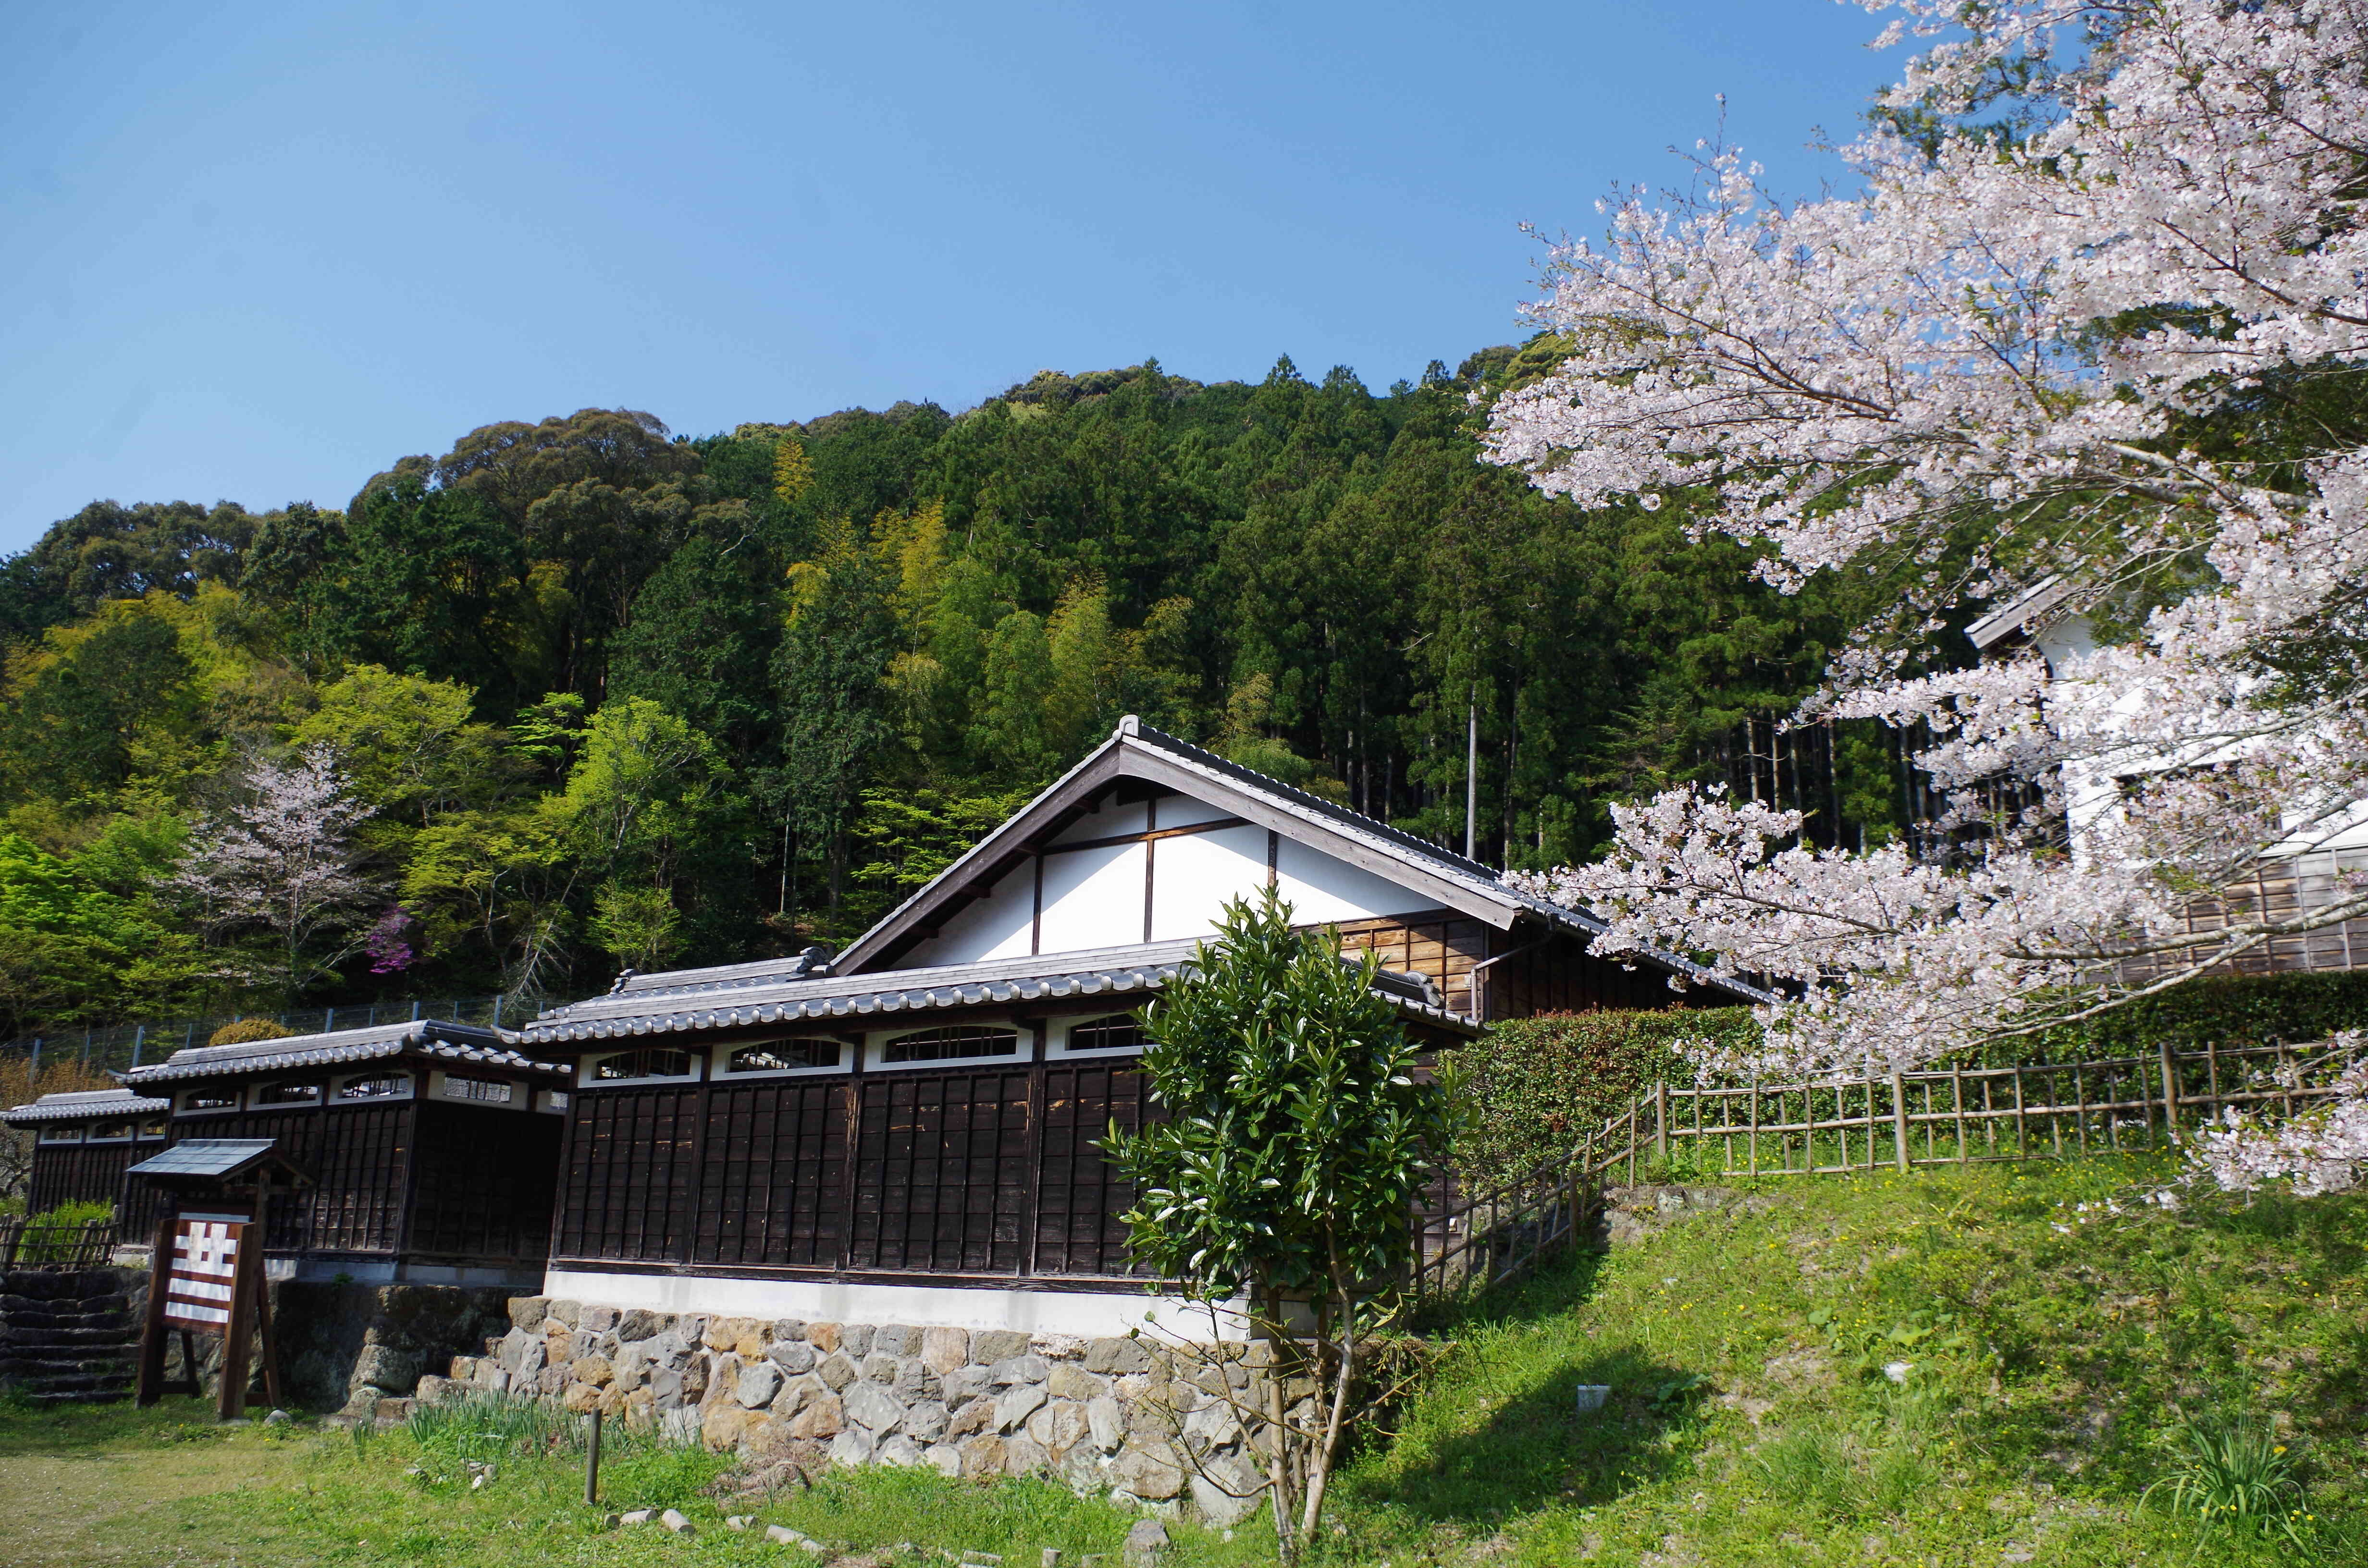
[2047, 1364]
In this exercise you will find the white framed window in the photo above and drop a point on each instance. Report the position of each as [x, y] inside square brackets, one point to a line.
[287, 1093]
[551, 1102]
[948, 1045]
[152, 1127]
[111, 1133]
[379, 1085]
[1118, 1032]
[777, 1057]
[62, 1134]
[647, 1064]
[209, 1101]
[470, 1090]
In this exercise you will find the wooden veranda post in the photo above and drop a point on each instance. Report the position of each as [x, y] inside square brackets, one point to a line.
[150, 1385]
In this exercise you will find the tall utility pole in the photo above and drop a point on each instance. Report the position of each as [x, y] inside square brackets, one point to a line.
[1472, 777]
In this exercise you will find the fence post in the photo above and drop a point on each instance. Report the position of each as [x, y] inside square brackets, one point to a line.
[2169, 1093]
[1661, 1124]
[1898, 1121]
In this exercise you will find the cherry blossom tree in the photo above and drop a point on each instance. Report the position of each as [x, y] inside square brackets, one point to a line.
[2081, 339]
[280, 859]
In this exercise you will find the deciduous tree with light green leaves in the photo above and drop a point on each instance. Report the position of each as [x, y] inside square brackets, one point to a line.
[1297, 1138]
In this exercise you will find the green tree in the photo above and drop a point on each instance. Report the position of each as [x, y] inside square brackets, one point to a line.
[831, 674]
[1295, 1141]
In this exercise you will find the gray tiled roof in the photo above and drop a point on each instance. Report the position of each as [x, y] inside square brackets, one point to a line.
[431, 1038]
[1475, 887]
[83, 1105]
[205, 1157]
[750, 995]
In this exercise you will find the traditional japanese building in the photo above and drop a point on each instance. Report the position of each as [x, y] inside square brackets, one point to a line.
[84, 1141]
[904, 1132]
[432, 1147]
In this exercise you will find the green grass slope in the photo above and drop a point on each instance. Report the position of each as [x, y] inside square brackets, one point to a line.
[2054, 1346]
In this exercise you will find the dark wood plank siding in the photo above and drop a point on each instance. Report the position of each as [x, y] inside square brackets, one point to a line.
[628, 1189]
[357, 1156]
[81, 1173]
[486, 1180]
[1559, 975]
[943, 1172]
[1435, 943]
[1079, 1194]
[774, 1187]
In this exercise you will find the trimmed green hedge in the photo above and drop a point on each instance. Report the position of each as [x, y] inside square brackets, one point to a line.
[1541, 1085]
[2247, 1010]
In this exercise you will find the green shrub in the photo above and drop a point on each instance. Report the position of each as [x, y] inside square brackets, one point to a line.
[2241, 1010]
[1542, 1085]
[2233, 1474]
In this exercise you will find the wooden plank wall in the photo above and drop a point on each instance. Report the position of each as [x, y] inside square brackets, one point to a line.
[81, 1173]
[983, 1171]
[1437, 944]
[2281, 890]
[1560, 976]
[357, 1155]
[486, 1181]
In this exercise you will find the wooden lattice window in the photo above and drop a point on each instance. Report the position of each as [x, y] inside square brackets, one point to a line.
[209, 1099]
[62, 1135]
[805, 1052]
[305, 1091]
[951, 1045]
[376, 1087]
[1118, 1033]
[110, 1132]
[649, 1062]
[484, 1091]
[153, 1126]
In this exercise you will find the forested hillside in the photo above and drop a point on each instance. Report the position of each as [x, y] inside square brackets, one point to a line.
[587, 694]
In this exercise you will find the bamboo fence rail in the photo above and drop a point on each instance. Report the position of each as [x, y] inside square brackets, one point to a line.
[1467, 1240]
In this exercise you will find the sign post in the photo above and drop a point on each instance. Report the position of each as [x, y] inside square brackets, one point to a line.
[206, 1276]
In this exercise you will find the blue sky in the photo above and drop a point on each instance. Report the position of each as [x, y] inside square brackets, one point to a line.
[258, 252]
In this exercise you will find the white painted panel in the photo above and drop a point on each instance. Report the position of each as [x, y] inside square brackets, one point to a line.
[1093, 898]
[1111, 822]
[996, 927]
[1193, 876]
[1081, 1313]
[1182, 811]
[1321, 888]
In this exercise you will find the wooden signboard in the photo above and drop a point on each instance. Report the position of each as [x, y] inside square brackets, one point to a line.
[206, 1277]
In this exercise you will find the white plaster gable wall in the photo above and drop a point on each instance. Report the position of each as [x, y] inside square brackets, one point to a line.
[1094, 898]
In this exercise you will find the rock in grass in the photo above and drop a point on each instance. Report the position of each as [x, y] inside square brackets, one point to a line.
[672, 1519]
[788, 1537]
[1052, 1557]
[1144, 1543]
[737, 1522]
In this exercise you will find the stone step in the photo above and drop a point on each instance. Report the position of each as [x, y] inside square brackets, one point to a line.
[111, 1318]
[45, 1371]
[37, 1342]
[101, 1383]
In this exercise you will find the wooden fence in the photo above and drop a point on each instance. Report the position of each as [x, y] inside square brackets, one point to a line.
[84, 1244]
[1468, 1241]
[1958, 1117]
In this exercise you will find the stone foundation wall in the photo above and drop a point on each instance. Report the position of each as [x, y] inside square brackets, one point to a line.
[1142, 1423]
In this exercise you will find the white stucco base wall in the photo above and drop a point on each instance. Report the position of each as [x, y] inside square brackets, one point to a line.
[1084, 1314]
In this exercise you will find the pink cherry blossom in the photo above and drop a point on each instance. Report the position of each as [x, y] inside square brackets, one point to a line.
[2013, 329]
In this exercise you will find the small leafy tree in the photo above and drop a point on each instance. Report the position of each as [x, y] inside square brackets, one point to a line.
[1298, 1136]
